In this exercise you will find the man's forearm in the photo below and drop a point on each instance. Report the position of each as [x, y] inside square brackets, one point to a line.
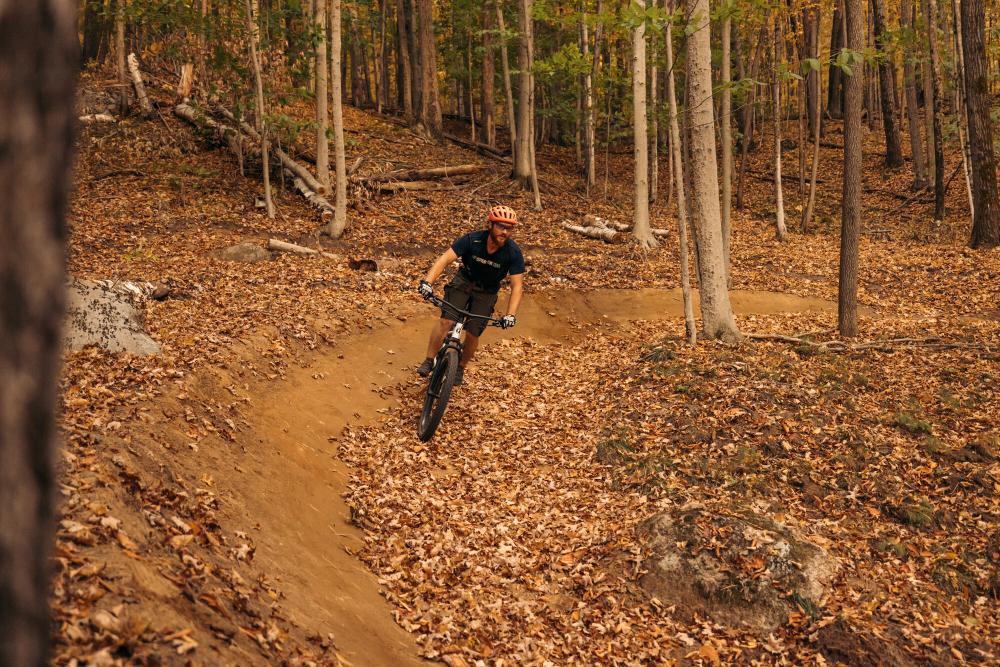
[515, 299]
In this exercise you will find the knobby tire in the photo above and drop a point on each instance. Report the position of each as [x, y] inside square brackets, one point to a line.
[438, 392]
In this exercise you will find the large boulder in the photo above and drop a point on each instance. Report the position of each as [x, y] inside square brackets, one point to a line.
[108, 314]
[740, 570]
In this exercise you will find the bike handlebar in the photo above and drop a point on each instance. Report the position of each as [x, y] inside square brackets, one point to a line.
[441, 303]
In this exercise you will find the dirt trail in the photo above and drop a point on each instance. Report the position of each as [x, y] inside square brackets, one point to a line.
[297, 499]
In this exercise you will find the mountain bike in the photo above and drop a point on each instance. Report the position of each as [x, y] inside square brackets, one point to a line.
[442, 377]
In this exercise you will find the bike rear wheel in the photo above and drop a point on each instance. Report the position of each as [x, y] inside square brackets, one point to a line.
[438, 392]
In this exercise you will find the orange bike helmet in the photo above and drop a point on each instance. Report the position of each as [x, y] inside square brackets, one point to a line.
[504, 214]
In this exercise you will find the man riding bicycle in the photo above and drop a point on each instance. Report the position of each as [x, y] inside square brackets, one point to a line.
[488, 256]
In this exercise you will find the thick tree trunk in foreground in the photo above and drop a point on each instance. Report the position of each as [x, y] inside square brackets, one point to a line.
[716, 310]
[640, 139]
[986, 220]
[850, 224]
[336, 227]
[38, 57]
[886, 79]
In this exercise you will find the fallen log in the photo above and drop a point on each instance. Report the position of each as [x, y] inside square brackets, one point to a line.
[409, 186]
[227, 135]
[482, 149]
[423, 174]
[593, 221]
[89, 118]
[140, 89]
[602, 233]
[283, 246]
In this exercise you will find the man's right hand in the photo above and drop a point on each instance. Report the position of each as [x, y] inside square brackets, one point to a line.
[425, 289]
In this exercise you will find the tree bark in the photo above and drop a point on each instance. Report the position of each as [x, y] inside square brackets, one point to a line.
[716, 310]
[906, 18]
[338, 224]
[653, 132]
[931, 18]
[406, 84]
[640, 138]
[261, 120]
[678, 178]
[430, 106]
[850, 225]
[986, 221]
[726, 137]
[489, 75]
[39, 53]
[961, 103]
[508, 90]
[780, 231]
[140, 89]
[817, 125]
[835, 100]
[525, 124]
[123, 96]
[886, 78]
[322, 95]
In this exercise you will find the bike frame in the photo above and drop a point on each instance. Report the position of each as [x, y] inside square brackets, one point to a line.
[454, 336]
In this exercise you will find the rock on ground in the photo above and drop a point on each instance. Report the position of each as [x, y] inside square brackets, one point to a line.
[107, 314]
[737, 569]
[245, 252]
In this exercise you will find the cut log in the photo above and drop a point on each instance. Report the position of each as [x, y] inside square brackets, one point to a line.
[89, 118]
[140, 89]
[283, 246]
[591, 221]
[602, 233]
[424, 174]
[227, 135]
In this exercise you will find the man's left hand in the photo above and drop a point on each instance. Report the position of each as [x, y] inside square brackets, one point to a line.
[507, 321]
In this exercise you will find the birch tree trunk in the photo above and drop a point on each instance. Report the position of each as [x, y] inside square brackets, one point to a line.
[716, 310]
[640, 216]
[986, 221]
[261, 120]
[322, 94]
[336, 227]
[39, 54]
[780, 232]
[590, 111]
[525, 124]
[678, 179]
[850, 224]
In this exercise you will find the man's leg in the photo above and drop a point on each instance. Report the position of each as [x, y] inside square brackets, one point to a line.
[469, 348]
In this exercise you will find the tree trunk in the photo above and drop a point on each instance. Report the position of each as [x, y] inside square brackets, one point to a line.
[716, 310]
[887, 75]
[912, 110]
[322, 94]
[834, 102]
[678, 179]
[525, 124]
[406, 84]
[261, 120]
[39, 54]
[726, 137]
[640, 216]
[931, 19]
[653, 131]
[590, 111]
[489, 103]
[780, 231]
[986, 221]
[850, 225]
[336, 227]
[531, 114]
[961, 103]
[748, 114]
[508, 90]
[430, 107]
[817, 125]
[123, 95]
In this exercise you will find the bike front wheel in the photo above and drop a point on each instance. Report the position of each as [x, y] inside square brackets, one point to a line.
[438, 392]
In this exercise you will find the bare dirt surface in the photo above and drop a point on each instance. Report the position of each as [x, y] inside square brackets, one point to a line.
[209, 516]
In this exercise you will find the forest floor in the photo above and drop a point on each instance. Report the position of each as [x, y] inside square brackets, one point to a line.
[255, 492]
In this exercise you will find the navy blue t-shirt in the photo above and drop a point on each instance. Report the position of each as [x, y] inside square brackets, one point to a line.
[481, 267]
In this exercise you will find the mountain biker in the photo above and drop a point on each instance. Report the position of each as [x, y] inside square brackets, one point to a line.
[488, 256]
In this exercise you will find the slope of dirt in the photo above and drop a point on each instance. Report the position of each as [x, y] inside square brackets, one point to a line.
[201, 519]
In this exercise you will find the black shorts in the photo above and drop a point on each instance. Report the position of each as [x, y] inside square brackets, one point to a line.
[466, 295]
